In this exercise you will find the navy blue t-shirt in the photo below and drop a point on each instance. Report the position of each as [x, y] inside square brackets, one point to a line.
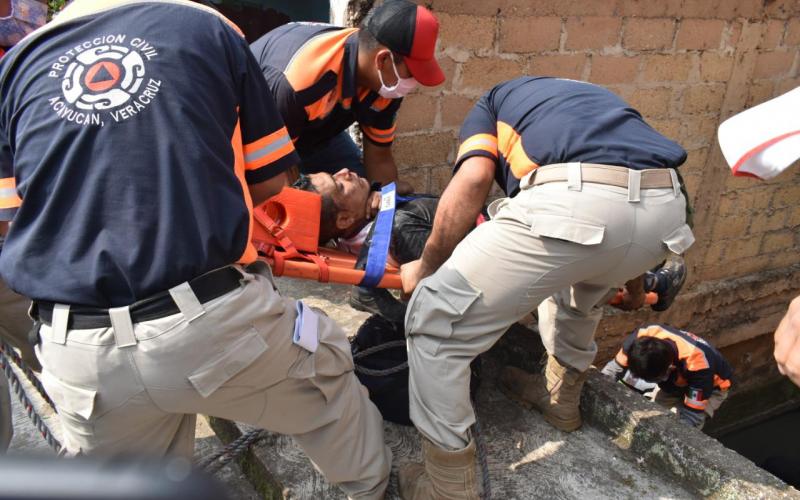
[699, 369]
[534, 121]
[128, 136]
[311, 69]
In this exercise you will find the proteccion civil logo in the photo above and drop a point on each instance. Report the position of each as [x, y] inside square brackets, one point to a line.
[103, 78]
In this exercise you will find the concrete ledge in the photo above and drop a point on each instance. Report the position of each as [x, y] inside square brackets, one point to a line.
[527, 458]
[697, 461]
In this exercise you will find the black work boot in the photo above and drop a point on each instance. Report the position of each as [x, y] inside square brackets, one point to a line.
[378, 301]
[666, 281]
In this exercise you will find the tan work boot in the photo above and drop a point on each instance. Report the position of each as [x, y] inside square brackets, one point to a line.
[445, 474]
[557, 393]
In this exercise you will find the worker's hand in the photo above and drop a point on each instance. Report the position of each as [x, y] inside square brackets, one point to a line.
[373, 205]
[411, 274]
[633, 295]
[612, 369]
[692, 418]
[787, 343]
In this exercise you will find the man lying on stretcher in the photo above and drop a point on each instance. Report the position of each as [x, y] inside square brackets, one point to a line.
[349, 203]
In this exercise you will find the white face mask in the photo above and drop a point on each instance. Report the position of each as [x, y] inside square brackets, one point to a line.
[399, 89]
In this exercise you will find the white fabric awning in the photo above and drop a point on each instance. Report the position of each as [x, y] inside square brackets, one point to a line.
[764, 140]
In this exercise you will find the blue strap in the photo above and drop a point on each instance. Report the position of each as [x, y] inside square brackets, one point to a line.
[381, 236]
[412, 197]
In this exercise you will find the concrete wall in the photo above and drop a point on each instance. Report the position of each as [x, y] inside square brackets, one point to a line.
[686, 65]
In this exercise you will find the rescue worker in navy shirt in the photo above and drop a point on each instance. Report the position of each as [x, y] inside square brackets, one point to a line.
[691, 374]
[324, 78]
[593, 202]
[132, 150]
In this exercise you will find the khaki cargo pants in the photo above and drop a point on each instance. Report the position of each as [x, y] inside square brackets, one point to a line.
[136, 389]
[562, 246]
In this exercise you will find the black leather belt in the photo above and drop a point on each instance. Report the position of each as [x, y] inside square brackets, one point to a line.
[206, 287]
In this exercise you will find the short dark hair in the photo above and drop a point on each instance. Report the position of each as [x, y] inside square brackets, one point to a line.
[650, 358]
[366, 40]
[327, 218]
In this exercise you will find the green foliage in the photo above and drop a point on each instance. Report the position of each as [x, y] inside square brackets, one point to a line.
[53, 6]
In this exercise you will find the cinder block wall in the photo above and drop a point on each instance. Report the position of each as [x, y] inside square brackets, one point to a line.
[686, 65]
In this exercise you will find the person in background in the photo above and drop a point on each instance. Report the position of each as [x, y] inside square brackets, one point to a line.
[325, 78]
[691, 374]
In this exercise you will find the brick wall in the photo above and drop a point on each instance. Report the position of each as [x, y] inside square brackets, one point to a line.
[686, 65]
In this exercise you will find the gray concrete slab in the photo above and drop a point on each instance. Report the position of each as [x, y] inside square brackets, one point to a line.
[527, 458]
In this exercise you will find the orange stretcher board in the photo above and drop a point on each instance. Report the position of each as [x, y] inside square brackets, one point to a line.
[286, 235]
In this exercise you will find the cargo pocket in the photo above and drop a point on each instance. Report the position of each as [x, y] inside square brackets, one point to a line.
[679, 240]
[564, 228]
[436, 306]
[69, 398]
[238, 356]
[324, 367]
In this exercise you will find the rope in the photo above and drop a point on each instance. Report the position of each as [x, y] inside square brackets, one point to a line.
[211, 463]
[214, 462]
[378, 348]
[18, 389]
[381, 373]
[29, 373]
[483, 462]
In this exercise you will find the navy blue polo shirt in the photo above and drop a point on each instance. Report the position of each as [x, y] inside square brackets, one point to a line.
[699, 370]
[533, 121]
[127, 142]
[311, 69]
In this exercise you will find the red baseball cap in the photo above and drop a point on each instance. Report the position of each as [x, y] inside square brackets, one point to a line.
[410, 30]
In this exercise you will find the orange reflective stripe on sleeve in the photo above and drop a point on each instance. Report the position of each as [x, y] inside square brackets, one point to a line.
[268, 149]
[378, 135]
[484, 142]
[695, 405]
[695, 399]
[8, 193]
[509, 144]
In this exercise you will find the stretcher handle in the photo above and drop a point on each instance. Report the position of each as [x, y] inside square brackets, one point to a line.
[650, 298]
[342, 275]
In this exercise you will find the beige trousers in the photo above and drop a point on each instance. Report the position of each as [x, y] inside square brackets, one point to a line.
[563, 247]
[14, 328]
[136, 388]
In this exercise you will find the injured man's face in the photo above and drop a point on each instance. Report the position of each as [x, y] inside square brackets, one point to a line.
[351, 197]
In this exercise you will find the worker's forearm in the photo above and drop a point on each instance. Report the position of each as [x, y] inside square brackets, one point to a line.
[3, 228]
[379, 164]
[458, 208]
[264, 190]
